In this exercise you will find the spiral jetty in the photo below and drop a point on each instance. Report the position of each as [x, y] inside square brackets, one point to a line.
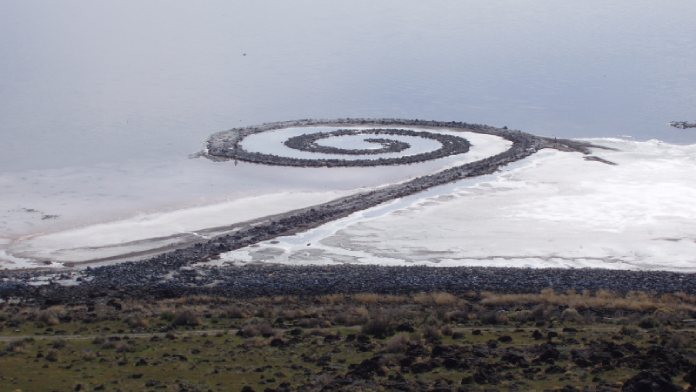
[169, 274]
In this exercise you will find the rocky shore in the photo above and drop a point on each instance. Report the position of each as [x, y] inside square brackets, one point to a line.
[682, 124]
[171, 273]
[145, 281]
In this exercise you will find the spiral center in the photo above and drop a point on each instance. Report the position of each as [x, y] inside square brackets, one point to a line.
[312, 142]
[349, 146]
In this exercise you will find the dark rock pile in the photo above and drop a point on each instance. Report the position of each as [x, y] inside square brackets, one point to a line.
[147, 280]
[682, 124]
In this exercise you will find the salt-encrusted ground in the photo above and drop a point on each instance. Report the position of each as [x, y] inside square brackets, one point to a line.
[553, 209]
[81, 214]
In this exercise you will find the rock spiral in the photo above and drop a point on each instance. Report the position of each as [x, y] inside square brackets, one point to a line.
[308, 144]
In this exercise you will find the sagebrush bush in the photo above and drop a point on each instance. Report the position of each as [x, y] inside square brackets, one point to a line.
[629, 330]
[432, 334]
[458, 316]
[137, 322]
[234, 312]
[186, 317]
[571, 315]
[397, 343]
[47, 317]
[648, 322]
[522, 316]
[58, 344]
[354, 315]
[366, 298]
[256, 328]
[493, 317]
[378, 326]
[436, 298]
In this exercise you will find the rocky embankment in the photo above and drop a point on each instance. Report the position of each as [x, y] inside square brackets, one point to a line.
[170, 273]
[145, 281]
[682, 124]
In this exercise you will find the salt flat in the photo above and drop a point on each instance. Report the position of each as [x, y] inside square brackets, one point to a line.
[553, 209]
[83, 214]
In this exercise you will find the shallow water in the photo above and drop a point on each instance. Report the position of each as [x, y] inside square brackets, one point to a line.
[553, 209]
[208, 195]
[83, 82]
[102, 102]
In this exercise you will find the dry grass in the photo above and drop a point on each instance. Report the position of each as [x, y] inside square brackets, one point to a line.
[397, 343]
[571, 315]
[602, 299]
[437, 298]
[366, 298]
[331, 299]
[374, 298]
[353, 315]
[186, 317]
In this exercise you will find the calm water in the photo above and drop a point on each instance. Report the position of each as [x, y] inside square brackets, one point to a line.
[87, 82]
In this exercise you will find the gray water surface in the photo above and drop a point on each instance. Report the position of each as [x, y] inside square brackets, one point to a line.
[84, 82]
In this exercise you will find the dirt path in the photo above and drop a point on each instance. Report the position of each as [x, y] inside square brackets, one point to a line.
[142, 335]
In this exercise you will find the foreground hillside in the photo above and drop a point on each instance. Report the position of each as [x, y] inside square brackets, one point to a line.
[426, 341]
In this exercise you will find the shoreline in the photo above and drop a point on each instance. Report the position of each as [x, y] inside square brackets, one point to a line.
[170, 273]
[262, 280]
[523, 145]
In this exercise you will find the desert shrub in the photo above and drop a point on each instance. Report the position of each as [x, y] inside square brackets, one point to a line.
[458, 316]
[493, 317]
[265, 312]
[666, 316]
[366, 298]
[16, 346]
[331, 298]
[283, 299]
[312, 323]
[292, 314]
[59, 344]
[352, 316]
[437, 298]
[678, 340]
[397, 343]
[88, 355]
[442, 299]
[648, 322]
[378, 326]
[124, 347]
[522, 316]
[137, 322]
[432, 334]
[571, 315]
[47, 317]
[52, 356]
[629, 330]
[540, 312]
[234, 312]
[167, 315]
[186, 317]
[256, 328]
[108, 345]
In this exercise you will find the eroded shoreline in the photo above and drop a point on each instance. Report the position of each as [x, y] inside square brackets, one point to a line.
[269, 280]
[171, 272]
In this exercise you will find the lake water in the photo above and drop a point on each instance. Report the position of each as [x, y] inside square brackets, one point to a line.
[85, 82]
[101, 102]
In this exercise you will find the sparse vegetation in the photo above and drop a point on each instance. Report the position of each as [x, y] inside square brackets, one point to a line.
[368, 341]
